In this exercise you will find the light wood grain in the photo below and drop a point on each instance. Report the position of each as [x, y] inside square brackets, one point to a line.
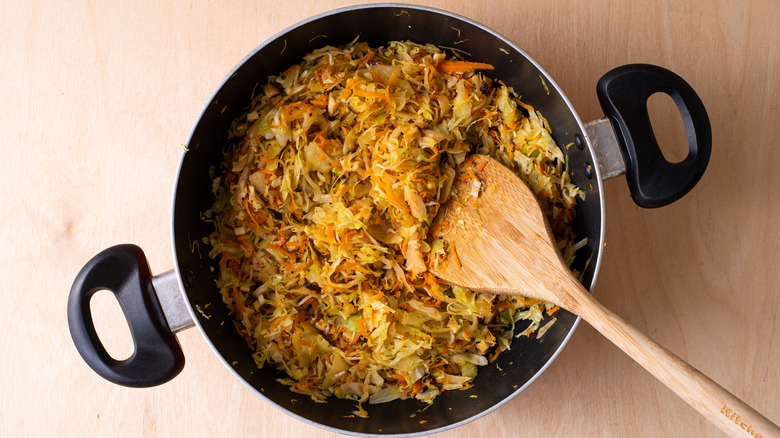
[97, 98]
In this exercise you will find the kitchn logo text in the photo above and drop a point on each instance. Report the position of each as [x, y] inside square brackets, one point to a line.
[733, 416]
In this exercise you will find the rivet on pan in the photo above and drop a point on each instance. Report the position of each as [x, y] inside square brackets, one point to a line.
[578, 142]
[589, 170]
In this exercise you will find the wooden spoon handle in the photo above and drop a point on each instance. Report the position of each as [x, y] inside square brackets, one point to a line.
[722, 408]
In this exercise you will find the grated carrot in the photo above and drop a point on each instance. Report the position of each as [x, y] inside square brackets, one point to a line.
[393, 79]
[462, 66]
[455, 256]
[238, 302]
[367, 58]
[244, 242]
[526, 106]
[320, 101]
[392, 198]
[248, 212]
[371, 94]
[280, 249]
[526, 301]
[352, 267]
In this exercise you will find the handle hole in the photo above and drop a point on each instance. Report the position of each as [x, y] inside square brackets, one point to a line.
[668, 127]
[111, 325]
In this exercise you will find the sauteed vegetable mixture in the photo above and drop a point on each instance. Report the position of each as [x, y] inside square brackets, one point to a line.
[323, 211]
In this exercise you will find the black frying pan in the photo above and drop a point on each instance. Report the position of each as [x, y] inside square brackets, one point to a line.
[157, 307]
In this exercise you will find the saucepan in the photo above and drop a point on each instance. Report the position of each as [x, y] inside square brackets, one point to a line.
[159, 306]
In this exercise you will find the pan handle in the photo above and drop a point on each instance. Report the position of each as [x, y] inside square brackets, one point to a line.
[654, 181]
[124, 271]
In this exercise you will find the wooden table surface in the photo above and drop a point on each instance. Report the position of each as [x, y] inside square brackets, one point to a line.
[98, 98]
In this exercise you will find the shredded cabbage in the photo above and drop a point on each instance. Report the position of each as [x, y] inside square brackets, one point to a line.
[322, 215]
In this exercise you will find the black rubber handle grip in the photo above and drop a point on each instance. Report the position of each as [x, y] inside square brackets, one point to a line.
[654, 181]
[124, 270]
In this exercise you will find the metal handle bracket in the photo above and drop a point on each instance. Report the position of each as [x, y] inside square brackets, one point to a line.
[606, 148]
[169, 293]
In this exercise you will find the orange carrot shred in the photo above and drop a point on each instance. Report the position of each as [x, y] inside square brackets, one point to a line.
[393, 78]
[378, 96]
[367, 58]
[392, 198]
[526, 106]
[239, 304]
[321, 101]
[251, 216]
[243, 240]
[527, 302]
[280, 249]
[462, 66]
[455, 255]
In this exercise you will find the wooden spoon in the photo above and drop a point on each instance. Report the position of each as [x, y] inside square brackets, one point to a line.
[499, 242]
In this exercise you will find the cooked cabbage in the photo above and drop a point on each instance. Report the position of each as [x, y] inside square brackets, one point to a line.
[323, 209]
